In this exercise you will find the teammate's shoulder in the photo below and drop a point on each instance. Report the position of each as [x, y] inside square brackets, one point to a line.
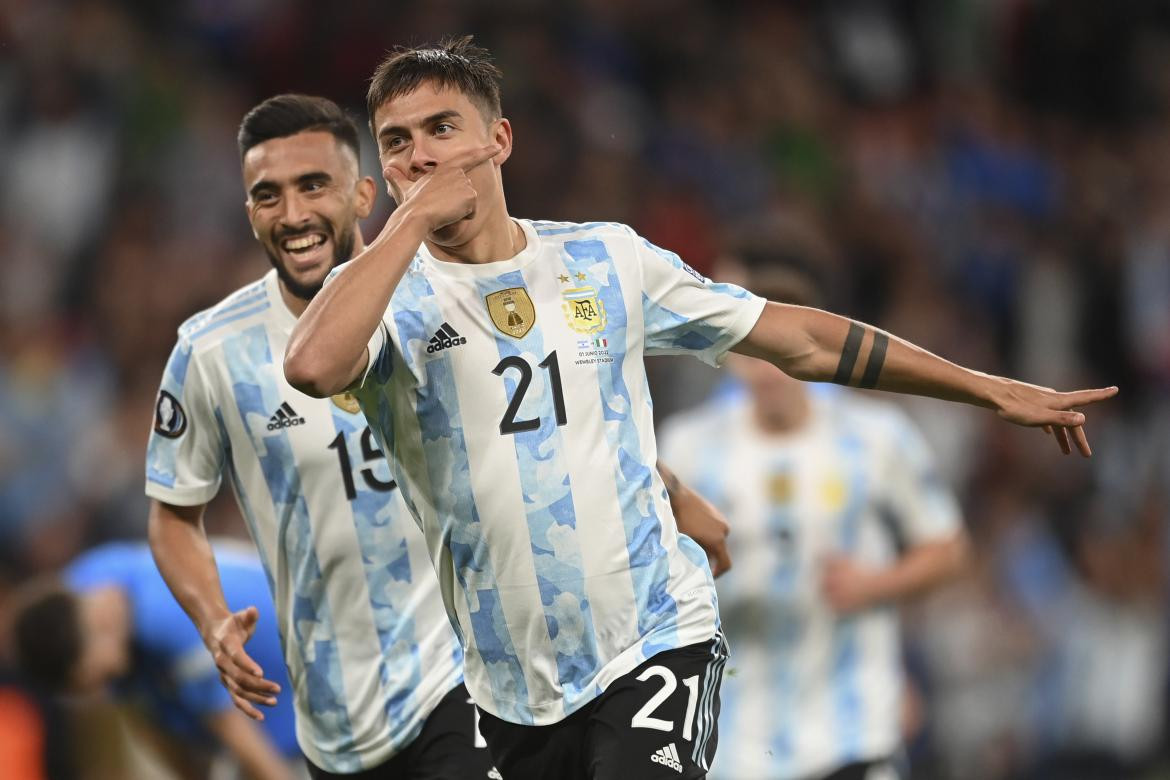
[571, 231]
[237, 309]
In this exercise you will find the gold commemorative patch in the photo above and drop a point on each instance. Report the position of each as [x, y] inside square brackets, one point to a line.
[346, 402]
[512, 311]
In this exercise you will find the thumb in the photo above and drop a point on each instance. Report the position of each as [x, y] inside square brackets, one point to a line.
[248, 618]
[396, 181]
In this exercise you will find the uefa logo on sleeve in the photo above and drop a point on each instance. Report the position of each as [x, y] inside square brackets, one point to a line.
[169, 418]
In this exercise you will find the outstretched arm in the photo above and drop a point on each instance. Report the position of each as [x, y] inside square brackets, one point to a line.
[328, 352]
[817, 346]
[184, 557]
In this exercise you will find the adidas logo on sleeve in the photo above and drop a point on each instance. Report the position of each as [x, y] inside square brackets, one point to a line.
[667, 756]
[444, 338]
[284, 417]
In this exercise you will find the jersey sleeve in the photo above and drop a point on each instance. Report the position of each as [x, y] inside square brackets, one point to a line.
[919, 500]
[186, 450]
[686, 313]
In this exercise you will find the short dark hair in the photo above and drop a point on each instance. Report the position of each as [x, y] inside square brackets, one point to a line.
[46, 634]
[284, 115]
[453, 62]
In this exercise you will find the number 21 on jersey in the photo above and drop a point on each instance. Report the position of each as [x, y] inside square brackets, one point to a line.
[509, 424]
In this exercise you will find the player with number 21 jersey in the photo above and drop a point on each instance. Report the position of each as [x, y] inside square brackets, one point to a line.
[528, 454]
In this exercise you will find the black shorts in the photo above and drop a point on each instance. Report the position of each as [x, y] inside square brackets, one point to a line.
[658, 721]
[447, 748]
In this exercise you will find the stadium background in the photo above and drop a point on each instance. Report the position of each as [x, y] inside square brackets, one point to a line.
[988, 178]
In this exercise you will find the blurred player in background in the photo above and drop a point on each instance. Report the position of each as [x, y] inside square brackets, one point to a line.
[838, 517]
[376, 671]
[527, 451]
[111, 624]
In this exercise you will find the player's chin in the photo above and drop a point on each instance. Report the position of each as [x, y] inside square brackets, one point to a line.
[456, 233]
[307, 278]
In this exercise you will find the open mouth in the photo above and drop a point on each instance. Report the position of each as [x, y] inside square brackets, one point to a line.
[303, 245]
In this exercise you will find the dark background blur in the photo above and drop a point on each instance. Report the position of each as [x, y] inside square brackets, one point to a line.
[988, 178]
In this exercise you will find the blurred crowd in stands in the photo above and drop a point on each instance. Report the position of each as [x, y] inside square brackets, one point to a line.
[988, 178]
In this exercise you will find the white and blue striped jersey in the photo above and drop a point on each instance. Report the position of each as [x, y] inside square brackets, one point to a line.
[808, 691]
[513, 399]
[369, 649]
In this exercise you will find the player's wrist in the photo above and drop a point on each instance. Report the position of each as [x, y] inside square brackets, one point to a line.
[409, 222]
[210, 623]
[992, 392]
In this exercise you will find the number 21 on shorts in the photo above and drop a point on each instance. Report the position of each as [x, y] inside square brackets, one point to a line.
[644, 718]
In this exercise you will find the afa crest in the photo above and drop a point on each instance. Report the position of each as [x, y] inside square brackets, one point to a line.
[584, 309]
[512, 311]
[780, 487]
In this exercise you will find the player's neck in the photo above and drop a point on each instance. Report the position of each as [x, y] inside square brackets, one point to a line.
[780, 419]
[500, 238]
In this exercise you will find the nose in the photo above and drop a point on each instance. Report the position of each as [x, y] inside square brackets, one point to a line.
[422, 157]
[293, 212]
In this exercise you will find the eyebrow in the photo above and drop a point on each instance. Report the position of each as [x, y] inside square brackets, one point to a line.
[304, 178]
[430, 120]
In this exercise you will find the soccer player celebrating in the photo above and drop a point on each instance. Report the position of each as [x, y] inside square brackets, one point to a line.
[839, 516]
[526, 450]
[375, 667]
[110, 625]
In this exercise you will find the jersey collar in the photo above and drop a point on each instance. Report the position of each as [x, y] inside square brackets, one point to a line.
[488, 270]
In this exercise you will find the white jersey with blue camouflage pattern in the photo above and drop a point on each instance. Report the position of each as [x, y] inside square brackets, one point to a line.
[513, 398]
[809, 691]
[369, 649]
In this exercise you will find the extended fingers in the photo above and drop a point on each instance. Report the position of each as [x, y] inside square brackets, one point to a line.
[473, 157]
[243, 690]
[1062, 439]
[1084, 397]
[1081, 441]
[1060, 419]
[242, 704]
[235, 664]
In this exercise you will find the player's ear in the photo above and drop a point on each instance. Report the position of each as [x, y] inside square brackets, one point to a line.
[501, 133]
[367, 191]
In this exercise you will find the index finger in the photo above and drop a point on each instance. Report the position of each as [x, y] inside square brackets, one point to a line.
[473, 157]
[1083, 397]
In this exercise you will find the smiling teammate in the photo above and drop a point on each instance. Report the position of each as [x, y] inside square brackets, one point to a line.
[375, 669]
